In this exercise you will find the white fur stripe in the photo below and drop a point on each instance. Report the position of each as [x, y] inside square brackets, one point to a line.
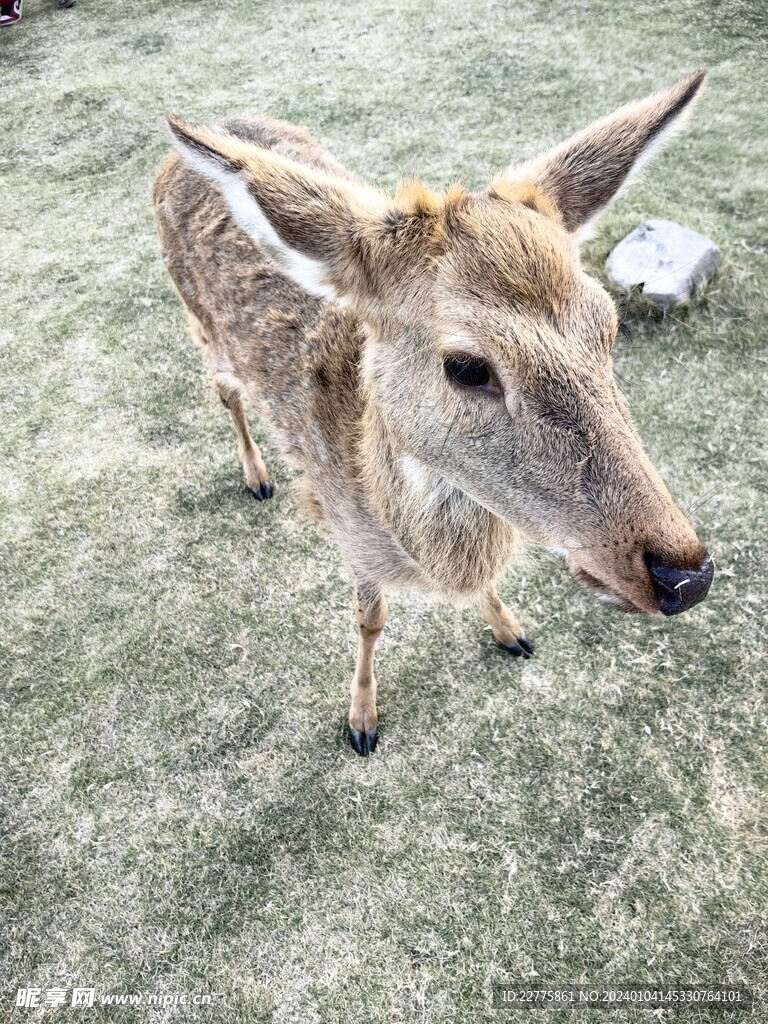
[308, 273]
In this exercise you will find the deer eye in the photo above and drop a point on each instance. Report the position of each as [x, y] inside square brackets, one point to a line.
[466, 370]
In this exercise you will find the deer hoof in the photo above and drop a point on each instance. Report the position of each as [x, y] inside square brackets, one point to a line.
[522, 649]
[263, 491]
[363, 743]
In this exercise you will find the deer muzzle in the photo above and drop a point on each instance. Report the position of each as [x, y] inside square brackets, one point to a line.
[677, 590]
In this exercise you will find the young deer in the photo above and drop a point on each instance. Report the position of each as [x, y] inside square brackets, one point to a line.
[437, 364]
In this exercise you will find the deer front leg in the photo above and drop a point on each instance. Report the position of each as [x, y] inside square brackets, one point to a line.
[371, 616]
[507, 630]
[256, 475]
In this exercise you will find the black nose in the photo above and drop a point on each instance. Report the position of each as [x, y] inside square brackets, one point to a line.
[677, 590]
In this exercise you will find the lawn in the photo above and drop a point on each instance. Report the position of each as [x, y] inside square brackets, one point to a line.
[181, 809]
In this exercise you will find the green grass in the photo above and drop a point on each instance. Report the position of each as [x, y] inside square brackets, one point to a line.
[181, 810]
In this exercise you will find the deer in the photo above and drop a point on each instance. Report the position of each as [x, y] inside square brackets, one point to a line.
[437, 364]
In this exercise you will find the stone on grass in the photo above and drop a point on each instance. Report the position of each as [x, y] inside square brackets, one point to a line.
[668, 260]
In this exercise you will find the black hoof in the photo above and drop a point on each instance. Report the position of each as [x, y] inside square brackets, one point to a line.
[522, 649]
[262, 492]
[363, 743]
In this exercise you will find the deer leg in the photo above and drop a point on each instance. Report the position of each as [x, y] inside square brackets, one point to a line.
[256, 475]
[371, 616]
[507, 630]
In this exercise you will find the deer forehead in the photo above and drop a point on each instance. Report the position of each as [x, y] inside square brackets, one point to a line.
[511, 272]
[506, 249]
[567, 339]
[507, 285]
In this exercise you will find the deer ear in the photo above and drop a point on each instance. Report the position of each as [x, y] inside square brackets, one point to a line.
[585, 174]
[316, 226]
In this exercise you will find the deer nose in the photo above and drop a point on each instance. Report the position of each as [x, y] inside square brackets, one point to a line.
[677, 590]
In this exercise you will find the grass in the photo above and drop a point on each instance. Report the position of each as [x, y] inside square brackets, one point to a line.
[181, 810]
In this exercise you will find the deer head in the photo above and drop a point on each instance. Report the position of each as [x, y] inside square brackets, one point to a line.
[488, 349]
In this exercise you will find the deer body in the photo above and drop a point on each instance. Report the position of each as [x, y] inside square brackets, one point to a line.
[425, 362]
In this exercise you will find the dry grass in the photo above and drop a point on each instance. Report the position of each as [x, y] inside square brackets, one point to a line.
[182, 811]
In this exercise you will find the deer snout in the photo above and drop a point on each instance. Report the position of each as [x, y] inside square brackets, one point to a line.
[676, 589]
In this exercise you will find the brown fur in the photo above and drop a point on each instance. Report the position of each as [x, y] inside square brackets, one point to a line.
[423, 481]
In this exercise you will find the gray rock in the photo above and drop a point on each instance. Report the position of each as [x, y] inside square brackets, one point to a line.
[668, 260]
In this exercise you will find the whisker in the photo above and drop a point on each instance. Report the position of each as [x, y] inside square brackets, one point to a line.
[703, 499]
